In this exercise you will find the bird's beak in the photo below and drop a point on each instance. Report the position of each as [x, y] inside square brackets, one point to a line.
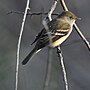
[77, 18]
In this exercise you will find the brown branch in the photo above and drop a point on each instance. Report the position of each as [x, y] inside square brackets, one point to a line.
[31, 13]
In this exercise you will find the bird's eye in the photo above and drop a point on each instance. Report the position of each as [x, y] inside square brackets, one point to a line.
[70, 17]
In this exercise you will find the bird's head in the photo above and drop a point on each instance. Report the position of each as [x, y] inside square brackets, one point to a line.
[68, 16]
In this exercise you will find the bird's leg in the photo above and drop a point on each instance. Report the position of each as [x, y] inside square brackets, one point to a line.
[58, 50]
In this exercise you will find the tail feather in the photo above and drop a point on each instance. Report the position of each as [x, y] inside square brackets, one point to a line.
[29, 56]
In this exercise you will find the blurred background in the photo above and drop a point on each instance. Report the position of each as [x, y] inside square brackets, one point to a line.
[32, 76]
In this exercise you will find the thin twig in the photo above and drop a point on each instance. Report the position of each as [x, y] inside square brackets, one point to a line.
[47, 76]
[63, 66]
[73, 42]
[60, 54]
[63, 5]
[50, 19]
[47, 29]
[52, 10]
[66, 9]
[82, 36]
[75, 26]
[31, 13]
[19, 42]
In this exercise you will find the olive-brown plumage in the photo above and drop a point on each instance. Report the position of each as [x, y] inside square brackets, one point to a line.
[60, 28]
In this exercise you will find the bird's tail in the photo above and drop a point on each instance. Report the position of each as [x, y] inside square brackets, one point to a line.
[29, 56]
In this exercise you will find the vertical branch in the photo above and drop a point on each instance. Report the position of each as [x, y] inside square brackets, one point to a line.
[19, 42]
[47, 76]
[76, 27]
[52, 9]
[59, 53]
[50, 19]
[48, 69]
[63, 66]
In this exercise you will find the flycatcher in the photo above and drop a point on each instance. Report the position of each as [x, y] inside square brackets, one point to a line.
[59, 29]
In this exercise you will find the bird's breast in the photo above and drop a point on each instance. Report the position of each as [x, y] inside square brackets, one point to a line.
[61, 39]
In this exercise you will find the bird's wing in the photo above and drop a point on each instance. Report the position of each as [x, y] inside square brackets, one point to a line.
[60, 27]
[61, 32]
[56, 27]
[43, 31]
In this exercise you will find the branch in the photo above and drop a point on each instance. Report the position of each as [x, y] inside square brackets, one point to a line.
[73, 42]
[66, 9]
[48, 71]
[82, 36]
[63, 66]
[50, 19]
[63, 5]
[31, 13]
[19, 42]
[60, 53]
[52, 9]
[75, 26]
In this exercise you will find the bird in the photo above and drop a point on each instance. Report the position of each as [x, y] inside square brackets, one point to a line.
[60, 29]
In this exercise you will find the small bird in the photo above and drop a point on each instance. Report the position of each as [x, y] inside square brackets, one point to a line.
[59, 29]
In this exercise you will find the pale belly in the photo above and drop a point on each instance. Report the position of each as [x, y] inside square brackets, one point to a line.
[61, 40]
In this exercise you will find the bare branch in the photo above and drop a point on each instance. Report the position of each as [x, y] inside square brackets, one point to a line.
[50, 19]
[63, 5]
[19, 42]
[31, 13]
[47, 76]
[82, 36]
[60, 54]
[73, 42]
[63, 66]
[48, 69]
[75, 26]
[52, 9]
[66, 9]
